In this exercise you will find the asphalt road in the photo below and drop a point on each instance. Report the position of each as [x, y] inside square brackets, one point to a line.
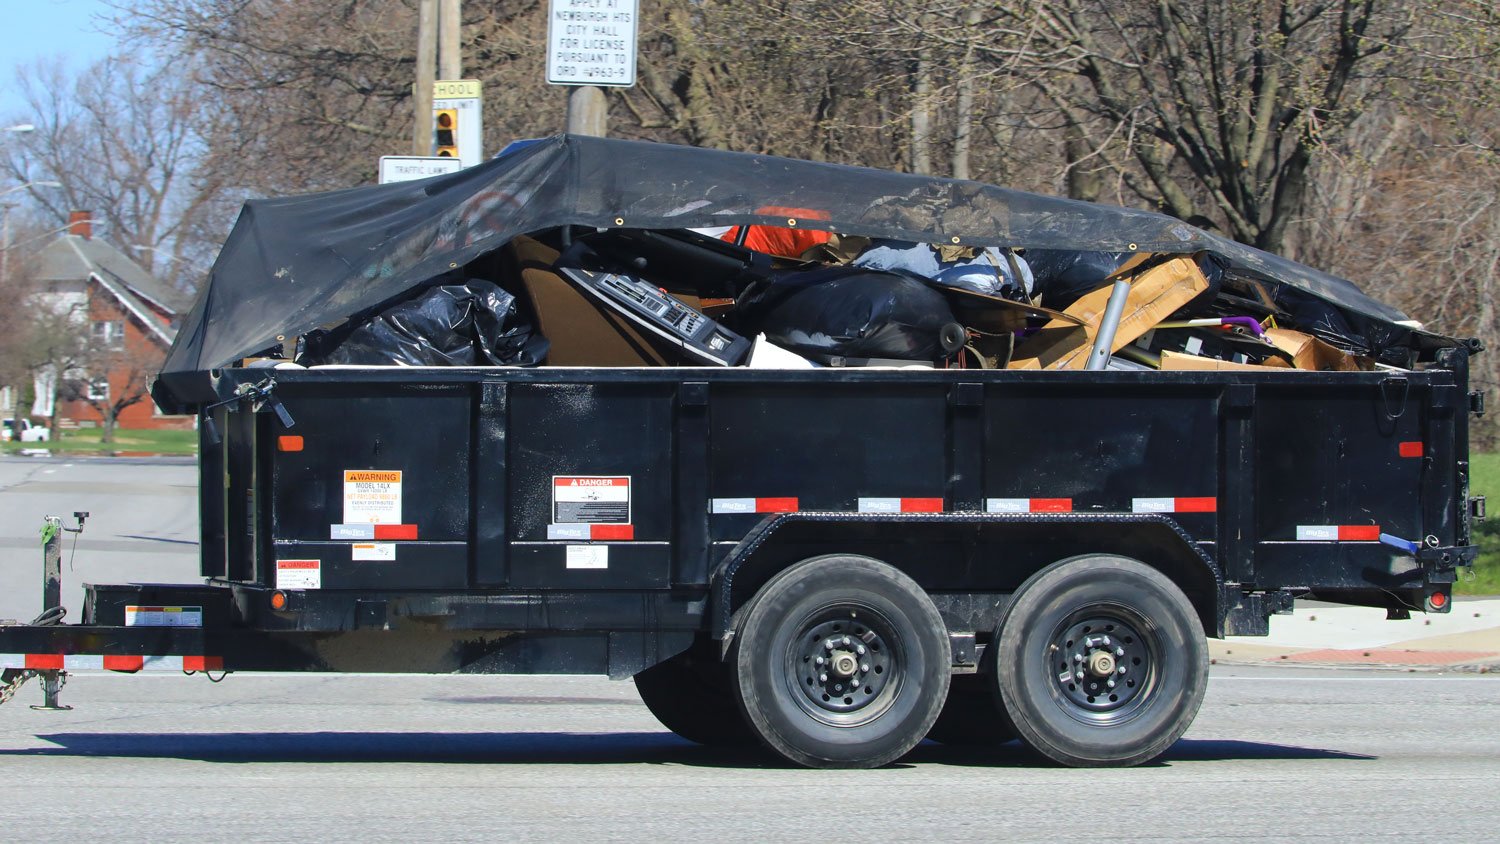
[1275, 754]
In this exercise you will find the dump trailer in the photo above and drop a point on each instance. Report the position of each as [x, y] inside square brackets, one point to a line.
[832, 562]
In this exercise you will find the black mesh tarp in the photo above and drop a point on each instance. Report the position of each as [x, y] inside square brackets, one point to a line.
[293, 264]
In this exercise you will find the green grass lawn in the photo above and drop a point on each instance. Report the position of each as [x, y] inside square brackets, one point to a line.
[86, 441]
[1484, 480]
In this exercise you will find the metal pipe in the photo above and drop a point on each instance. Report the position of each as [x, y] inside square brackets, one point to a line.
[1104, 340]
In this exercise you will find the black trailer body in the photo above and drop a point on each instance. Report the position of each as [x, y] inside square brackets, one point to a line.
[825, 560]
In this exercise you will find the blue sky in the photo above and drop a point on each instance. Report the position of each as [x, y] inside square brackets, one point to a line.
[42, 29]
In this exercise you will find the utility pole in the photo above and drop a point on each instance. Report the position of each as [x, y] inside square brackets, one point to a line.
[450, 42]
[5, 245]
[421, 138]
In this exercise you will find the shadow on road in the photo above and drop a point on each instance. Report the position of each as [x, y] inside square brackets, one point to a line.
[559, 748]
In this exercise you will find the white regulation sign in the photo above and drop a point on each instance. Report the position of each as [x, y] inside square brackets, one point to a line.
[591, 42]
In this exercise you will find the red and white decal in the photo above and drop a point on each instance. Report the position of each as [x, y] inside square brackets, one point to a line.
[110, 662]
[1028, 505]
[1174, 505]
[594, 532]
[591, 499]
[753, 505]
[901, 505]
[299, 574]
[372, 531]
[1338, 533]
[163, 616]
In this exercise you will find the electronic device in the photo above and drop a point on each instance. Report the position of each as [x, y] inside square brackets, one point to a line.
[663, 314]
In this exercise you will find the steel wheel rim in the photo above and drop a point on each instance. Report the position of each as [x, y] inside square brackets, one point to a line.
[1094, 638]
[832, 633]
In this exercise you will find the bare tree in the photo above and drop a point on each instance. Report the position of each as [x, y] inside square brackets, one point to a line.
[111, 375]
[126, 144]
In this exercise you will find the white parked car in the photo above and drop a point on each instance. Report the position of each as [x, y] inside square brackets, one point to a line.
[25, 431]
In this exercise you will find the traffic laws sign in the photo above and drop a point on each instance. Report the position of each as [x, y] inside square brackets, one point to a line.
[407, 168]
[591, 42]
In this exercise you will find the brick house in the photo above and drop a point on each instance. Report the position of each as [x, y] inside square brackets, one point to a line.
[128, 312]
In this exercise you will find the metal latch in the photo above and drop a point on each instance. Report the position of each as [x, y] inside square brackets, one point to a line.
[1476, 508]
[1476, 402]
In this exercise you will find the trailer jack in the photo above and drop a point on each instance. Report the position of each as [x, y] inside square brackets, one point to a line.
[53, 612]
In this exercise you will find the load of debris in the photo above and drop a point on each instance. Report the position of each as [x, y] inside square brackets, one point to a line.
[578, 251]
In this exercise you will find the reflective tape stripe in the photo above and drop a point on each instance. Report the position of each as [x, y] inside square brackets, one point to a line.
[372, 531]
[900, 505]
[1409, 449]
[1028, 505]
[753, 505]
[1338, 533]
[110, 662]
[1174, 505]
[590, 531]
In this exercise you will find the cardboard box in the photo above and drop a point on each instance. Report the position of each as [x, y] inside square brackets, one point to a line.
[1155, 294]
[1181, 361]
[1308, 352]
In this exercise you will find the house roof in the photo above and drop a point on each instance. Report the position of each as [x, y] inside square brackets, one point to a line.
[74, 258]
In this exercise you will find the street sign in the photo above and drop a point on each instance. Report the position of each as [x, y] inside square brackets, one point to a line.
[591, 42]
[406, 168]
[458, 118]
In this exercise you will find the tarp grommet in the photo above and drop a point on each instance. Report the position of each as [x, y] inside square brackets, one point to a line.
[619, 221]
[1130, 247]
[791, 221]
[954, 239]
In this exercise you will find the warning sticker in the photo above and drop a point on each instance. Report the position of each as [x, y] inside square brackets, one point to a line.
[374, 551]
[372, 497]
[299, 574]
[588, 556]
[163, 616]
[590, 500]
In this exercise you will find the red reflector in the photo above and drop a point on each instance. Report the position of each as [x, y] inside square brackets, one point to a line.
[1437, 600]
[289, 443]
[612, 532]
[1359, 533]
[1196, 505]
[775, 505]
[1051, 505]
[1412, 449]
[123, 663]
[44, 662]
[203, 663]
[395, 531]
[921, 505]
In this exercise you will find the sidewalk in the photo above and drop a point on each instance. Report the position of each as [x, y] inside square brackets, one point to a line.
[1466, 639]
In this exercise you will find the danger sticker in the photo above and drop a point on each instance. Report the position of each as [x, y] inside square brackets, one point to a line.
[372, 497]
[299, 574]
[380, 552]
[590, 500]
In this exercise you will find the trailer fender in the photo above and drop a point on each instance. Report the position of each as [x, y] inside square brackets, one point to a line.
[964, 552]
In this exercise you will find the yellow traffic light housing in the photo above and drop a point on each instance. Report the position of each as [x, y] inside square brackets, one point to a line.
[445, 123]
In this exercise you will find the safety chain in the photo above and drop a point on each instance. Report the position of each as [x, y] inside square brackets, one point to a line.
[8, 688]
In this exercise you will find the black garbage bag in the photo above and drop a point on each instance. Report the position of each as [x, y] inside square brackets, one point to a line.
[1062, 276]
[470, 324]
[851, 312]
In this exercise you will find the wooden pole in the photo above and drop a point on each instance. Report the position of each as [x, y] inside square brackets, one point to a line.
[450, 44]
[421, 137]
[587, 112]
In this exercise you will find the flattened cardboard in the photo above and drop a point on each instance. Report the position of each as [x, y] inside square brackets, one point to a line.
[1308, 352]
[1181, 361]
[1155, 294]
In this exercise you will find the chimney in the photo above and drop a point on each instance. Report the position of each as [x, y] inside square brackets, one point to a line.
[81, 223]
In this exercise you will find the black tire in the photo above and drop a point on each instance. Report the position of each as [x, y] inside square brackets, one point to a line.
[971, 716]
[841, 609]
[691, 695]
[1058, 625]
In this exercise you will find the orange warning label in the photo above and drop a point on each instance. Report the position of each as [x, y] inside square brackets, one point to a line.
[352, 476]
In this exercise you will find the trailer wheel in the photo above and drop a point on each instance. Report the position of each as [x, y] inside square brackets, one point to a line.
[841, 662]
[972, 716]
[1100, 661]
[691, 695]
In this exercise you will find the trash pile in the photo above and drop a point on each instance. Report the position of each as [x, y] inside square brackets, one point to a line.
[622, 297]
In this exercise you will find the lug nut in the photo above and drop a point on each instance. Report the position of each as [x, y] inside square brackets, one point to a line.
[1122, 669]
[1078, 657]
[846, 640]
[859, 649]
[865, 667]
[1104, 640]
[1119, 651]
[1078, 674]
[839, 687]
[820, 660]
[1110, 683]
[822, 678]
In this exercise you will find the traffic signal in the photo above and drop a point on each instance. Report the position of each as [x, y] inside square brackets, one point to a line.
[446, 124]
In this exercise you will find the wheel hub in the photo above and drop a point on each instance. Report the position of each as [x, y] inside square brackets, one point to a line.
[844, 664]
[1102, 665]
